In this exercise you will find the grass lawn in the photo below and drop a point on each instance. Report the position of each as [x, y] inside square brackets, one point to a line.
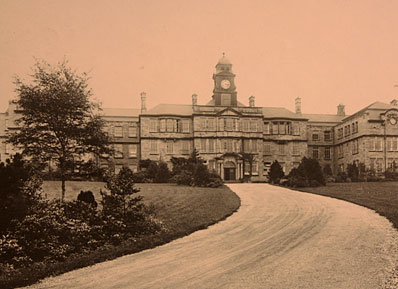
[182, 209]
[379, 196]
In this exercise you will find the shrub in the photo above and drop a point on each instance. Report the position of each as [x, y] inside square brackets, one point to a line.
[20, 190]
[275, 173]
[353, 172]
[183, 178]
[308, 173]
[87, 197]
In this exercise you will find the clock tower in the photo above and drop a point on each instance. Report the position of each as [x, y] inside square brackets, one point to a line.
[224, 85]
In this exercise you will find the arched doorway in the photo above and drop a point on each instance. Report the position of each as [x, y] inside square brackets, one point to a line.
[229, 171]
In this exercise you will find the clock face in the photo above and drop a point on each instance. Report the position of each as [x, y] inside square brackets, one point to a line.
[225, 84]
[393, 121]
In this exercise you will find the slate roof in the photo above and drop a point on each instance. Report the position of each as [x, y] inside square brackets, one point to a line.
[170, 109]
[280, 112]
[324, 117]
[378, 105]
[131, 112]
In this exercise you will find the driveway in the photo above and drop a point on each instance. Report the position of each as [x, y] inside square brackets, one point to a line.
[278, 239]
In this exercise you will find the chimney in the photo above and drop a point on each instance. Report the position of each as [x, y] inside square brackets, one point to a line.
[194, 99]
[340, 110]
[394, 102]
[143, 102]
[298, 105]
[251, 101]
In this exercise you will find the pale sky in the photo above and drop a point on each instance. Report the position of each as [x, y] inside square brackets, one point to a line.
[326, 52]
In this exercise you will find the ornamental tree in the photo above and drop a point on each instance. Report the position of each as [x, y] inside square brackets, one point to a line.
[59, 122]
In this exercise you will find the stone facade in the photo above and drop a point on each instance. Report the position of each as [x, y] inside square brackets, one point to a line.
[232, 137]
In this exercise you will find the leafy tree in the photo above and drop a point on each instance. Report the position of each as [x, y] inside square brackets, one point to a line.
[59, 122]
[276, 172]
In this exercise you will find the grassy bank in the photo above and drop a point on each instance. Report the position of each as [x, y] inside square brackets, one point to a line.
[183, 210]
[379, 196]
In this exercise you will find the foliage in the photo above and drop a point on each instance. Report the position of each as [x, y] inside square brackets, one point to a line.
[308, 173]
[87, 197]
[153, 172]
[192, 172]
[20, 187]
[53, 230]
[353, 172]
[58, 120]
[276, 172]
[327, 170]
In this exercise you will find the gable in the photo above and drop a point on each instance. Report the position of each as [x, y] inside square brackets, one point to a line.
[229, 111]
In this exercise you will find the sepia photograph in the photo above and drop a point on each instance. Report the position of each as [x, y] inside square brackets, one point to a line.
[199, 144]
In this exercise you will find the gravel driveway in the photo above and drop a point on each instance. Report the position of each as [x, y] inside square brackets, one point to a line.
[278, 239]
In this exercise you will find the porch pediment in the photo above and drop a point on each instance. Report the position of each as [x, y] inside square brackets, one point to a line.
[229, 112]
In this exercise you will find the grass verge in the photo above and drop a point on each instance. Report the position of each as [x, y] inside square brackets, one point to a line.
[182, 209]
[379, 196]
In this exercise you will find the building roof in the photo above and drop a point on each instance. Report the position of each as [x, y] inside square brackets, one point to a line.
[171, 109]
[378, 105]
[324, 117]
[280, 112]
[224, 60]
[121, 112]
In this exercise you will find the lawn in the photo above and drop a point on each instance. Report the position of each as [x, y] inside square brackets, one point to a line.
[182, 209]
[379, 196]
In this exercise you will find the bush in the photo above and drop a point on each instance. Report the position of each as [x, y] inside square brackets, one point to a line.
[353, 172]
[19, 190]
[183, 178]
[308, 173]
[275, 173]
[87, 197]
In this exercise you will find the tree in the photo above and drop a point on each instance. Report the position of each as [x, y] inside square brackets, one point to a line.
[59, 122]
[276, 172]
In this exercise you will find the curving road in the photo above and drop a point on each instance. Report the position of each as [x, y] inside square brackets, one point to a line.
[278, 239]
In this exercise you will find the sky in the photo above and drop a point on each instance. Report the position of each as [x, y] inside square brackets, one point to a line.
[326, 52]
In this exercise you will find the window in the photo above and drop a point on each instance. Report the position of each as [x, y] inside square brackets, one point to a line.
[328, 135]
[212, 145]
[266, 128]
[253, 125]
[296, 148]
[340, 133]
[282, 149]
[379, 165]
[203, 124]
[267, 148]
[118, 151]
[132, 150]
[378, 144]
[132, 131]
[203, 145]
[340, 152]
[348, 130]
[228, 145]
[169, 146]
[315, 152]
[154, 146]
[315, 136]
[162, 125]
[254, 145]
[353, 128]
[118, 131]
[228, 124]
[275, 128]
[245, 125]
[254, 168]
[355, 146]
[185, 147]
[185, 125]
[170, 125]
[282, 128]
[395, 144]
[7, 148]
[327, 153]
[153, 125]
[295, 128]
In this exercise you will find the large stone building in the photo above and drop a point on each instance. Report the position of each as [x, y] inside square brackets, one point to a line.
[224, 130]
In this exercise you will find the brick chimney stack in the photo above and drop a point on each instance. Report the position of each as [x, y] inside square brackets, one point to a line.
[143, 102]
[298, 105]
[194, 99]
[251, 101]
[341, 110]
